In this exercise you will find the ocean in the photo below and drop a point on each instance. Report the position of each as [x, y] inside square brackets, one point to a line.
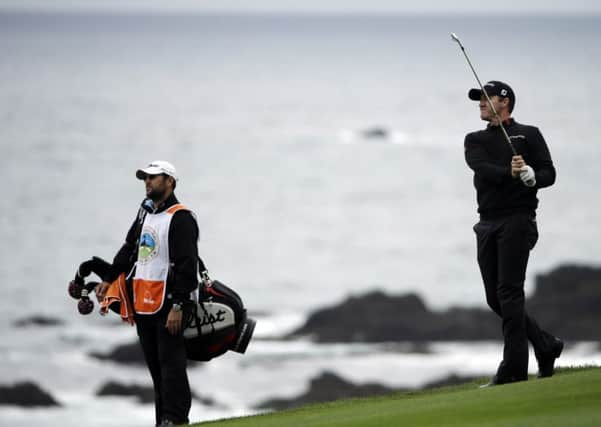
[265, 118]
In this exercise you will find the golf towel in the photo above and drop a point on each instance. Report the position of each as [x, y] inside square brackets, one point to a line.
[117, 299]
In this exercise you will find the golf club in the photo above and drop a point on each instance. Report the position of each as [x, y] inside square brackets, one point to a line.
[454, 37]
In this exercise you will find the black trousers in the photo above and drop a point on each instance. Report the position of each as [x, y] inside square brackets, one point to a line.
[165, 356]
[504, 246]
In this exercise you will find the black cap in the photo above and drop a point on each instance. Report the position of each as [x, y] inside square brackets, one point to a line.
[493, 88]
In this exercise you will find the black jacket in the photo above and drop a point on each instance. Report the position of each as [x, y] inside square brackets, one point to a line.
[183, 251]
[489, 156]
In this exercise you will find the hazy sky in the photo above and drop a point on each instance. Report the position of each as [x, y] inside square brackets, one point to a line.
[324, 6]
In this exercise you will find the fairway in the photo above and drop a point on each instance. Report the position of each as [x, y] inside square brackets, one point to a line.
[571, 398]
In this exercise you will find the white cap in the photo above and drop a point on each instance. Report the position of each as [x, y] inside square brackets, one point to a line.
[157, 167]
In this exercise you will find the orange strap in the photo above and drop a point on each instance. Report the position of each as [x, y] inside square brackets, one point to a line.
[173, 209]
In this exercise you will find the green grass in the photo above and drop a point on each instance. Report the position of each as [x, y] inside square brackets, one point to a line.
[570, 398]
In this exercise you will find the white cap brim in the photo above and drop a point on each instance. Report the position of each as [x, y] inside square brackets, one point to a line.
[142, 173]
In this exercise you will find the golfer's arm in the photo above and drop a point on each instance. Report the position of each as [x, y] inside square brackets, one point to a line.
[542, 162]
[478, 160]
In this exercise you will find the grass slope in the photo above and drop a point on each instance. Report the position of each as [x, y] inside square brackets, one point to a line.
[571, 398]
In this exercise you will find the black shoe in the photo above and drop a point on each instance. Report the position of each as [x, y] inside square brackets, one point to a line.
[546, 364]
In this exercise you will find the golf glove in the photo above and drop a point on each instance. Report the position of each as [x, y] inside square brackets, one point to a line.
[527, 176]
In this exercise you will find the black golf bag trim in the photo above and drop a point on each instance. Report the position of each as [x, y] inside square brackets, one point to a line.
[216, 323]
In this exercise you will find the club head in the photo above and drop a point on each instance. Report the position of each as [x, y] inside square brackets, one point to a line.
[85, 306]
[455, 38]
[74, 289]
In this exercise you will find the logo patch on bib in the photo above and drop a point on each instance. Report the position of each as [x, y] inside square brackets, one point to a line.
[149, 245]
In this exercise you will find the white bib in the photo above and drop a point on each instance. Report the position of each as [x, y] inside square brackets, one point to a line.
[152, 266]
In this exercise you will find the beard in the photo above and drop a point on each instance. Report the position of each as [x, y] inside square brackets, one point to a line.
[156, 195]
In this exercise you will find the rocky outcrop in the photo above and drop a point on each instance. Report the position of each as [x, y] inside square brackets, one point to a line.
[27, 394]
[375, 132]
[327, 387]
[126, 354]
[565, 302]
[129, 354]
[378, 317]
[37, 320]
[144, 394]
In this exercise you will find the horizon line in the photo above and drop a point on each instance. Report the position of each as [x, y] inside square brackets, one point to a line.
[300, 14]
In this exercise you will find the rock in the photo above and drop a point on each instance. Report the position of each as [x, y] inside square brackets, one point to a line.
[377, 317]
[27, 394]
[327, 387]
[207, 401]
[126, 354]
[145, 394]
[37, 320]
[130, 354]
[375, 132]
[565, 302]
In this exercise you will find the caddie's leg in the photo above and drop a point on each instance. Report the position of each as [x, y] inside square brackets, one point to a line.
[147, 333]
[175, 388]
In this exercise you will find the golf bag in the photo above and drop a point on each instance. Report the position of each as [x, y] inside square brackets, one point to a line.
[216, 323]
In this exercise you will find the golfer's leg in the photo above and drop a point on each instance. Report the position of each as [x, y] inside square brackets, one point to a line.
[541, 340]
[147, 333]
[513, 251]
[487, 261]
[175, 388]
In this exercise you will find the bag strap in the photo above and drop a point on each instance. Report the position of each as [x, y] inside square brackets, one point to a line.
[204, 279]
[145, 207]
[204, 282]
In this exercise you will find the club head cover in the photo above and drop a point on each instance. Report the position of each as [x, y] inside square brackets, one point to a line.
[85, 306]
[75, 289]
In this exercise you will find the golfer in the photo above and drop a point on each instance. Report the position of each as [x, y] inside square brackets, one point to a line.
[506, 187]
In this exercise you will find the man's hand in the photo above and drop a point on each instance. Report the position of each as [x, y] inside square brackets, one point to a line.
[528, 177]
[100, 290]
[174, 322]
[517, 166]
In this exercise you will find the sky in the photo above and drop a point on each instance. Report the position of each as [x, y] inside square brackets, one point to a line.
[313, 6]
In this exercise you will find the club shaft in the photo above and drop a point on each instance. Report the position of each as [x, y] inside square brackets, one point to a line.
[492, 107]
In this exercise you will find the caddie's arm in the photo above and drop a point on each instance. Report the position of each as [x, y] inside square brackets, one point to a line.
[122, 263]
[183, 254]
